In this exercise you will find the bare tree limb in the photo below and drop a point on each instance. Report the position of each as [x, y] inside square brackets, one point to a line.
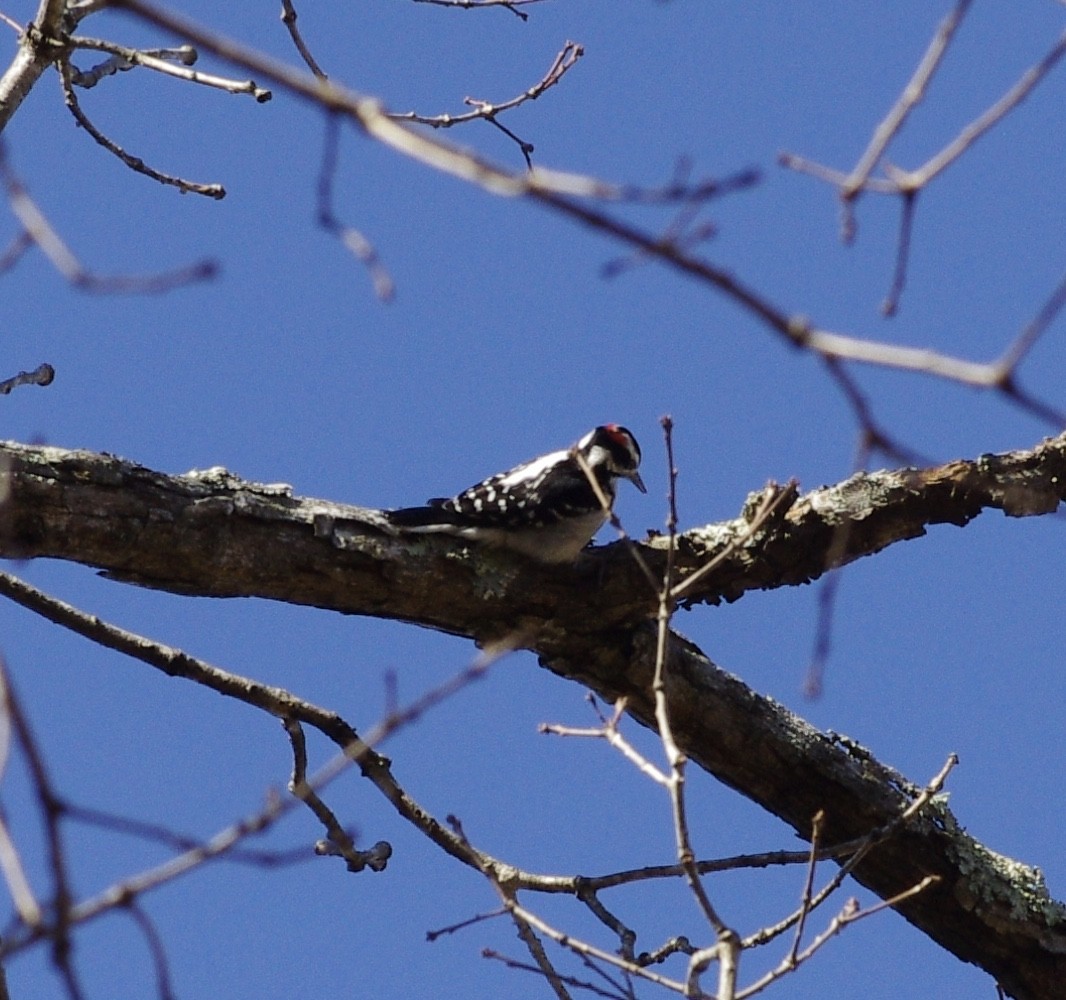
[214, 534]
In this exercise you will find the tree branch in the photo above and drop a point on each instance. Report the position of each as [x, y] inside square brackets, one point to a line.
[213, 534]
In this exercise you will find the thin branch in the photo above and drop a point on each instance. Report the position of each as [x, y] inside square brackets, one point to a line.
[353, 240]
[339, 842]
[511, 963]
[123, 60]
[627, 937]
[908, 205]
[610, 732]
[911, 96]
[511, 5]
[535, 947]
[873, 438]
[851, 913]
[861, 849]
[35, 54]
[566, 194]
[289, 18]
[161, 61]
[273, 700]
[15, 250]
[488, 111]
[51, 809]
[135, 163]
[42, 375]
[676, 784]
[1028, 82]
[830, 585]
[478, 918]
[18, 885]
[908, 183]
[774, 503]
[155, 833]
[164, 985]
[582, 948]
[808, 883]
[1026, 340]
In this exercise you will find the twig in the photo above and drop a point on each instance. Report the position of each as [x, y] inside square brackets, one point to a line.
[42, 375]
[512, 963]
[682, 231]
[15, 250]
[1034, 330]
[827, 594]
[156, 833]
[627, 937]
[808, 883]
[609, 731]
[984, 122]
[135, 163]
[18, 885]
[582, 948]
[675, 946]
[289, 18]
[164, 985]
[273, 700]
[775, 501]
[850, 914]
[463, 924]
[350, 237]
[339, 842]
[161, 61]
[908, 183]
[123, 60]
[903, 248]
[48, 802]
[535, 947]
[911, 96]
[511, 5]
[726, 938]
[857, 851]
[489, 111]
[873, 438]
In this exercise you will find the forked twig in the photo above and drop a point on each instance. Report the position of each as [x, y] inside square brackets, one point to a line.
[511, 5]
[169, 62]
[488, 111]
[135, 163]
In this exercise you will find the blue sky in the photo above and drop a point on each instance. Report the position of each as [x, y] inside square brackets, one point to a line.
[505, 341]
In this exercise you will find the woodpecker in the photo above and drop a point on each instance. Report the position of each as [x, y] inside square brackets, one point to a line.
[546, 509]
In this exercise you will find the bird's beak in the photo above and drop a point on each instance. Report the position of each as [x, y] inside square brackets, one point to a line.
[638, 482]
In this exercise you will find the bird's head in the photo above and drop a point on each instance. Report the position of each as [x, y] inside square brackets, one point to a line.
[613, 449]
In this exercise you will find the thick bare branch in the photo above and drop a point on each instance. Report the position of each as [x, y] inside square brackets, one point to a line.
[214, 534]
[35, 54]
